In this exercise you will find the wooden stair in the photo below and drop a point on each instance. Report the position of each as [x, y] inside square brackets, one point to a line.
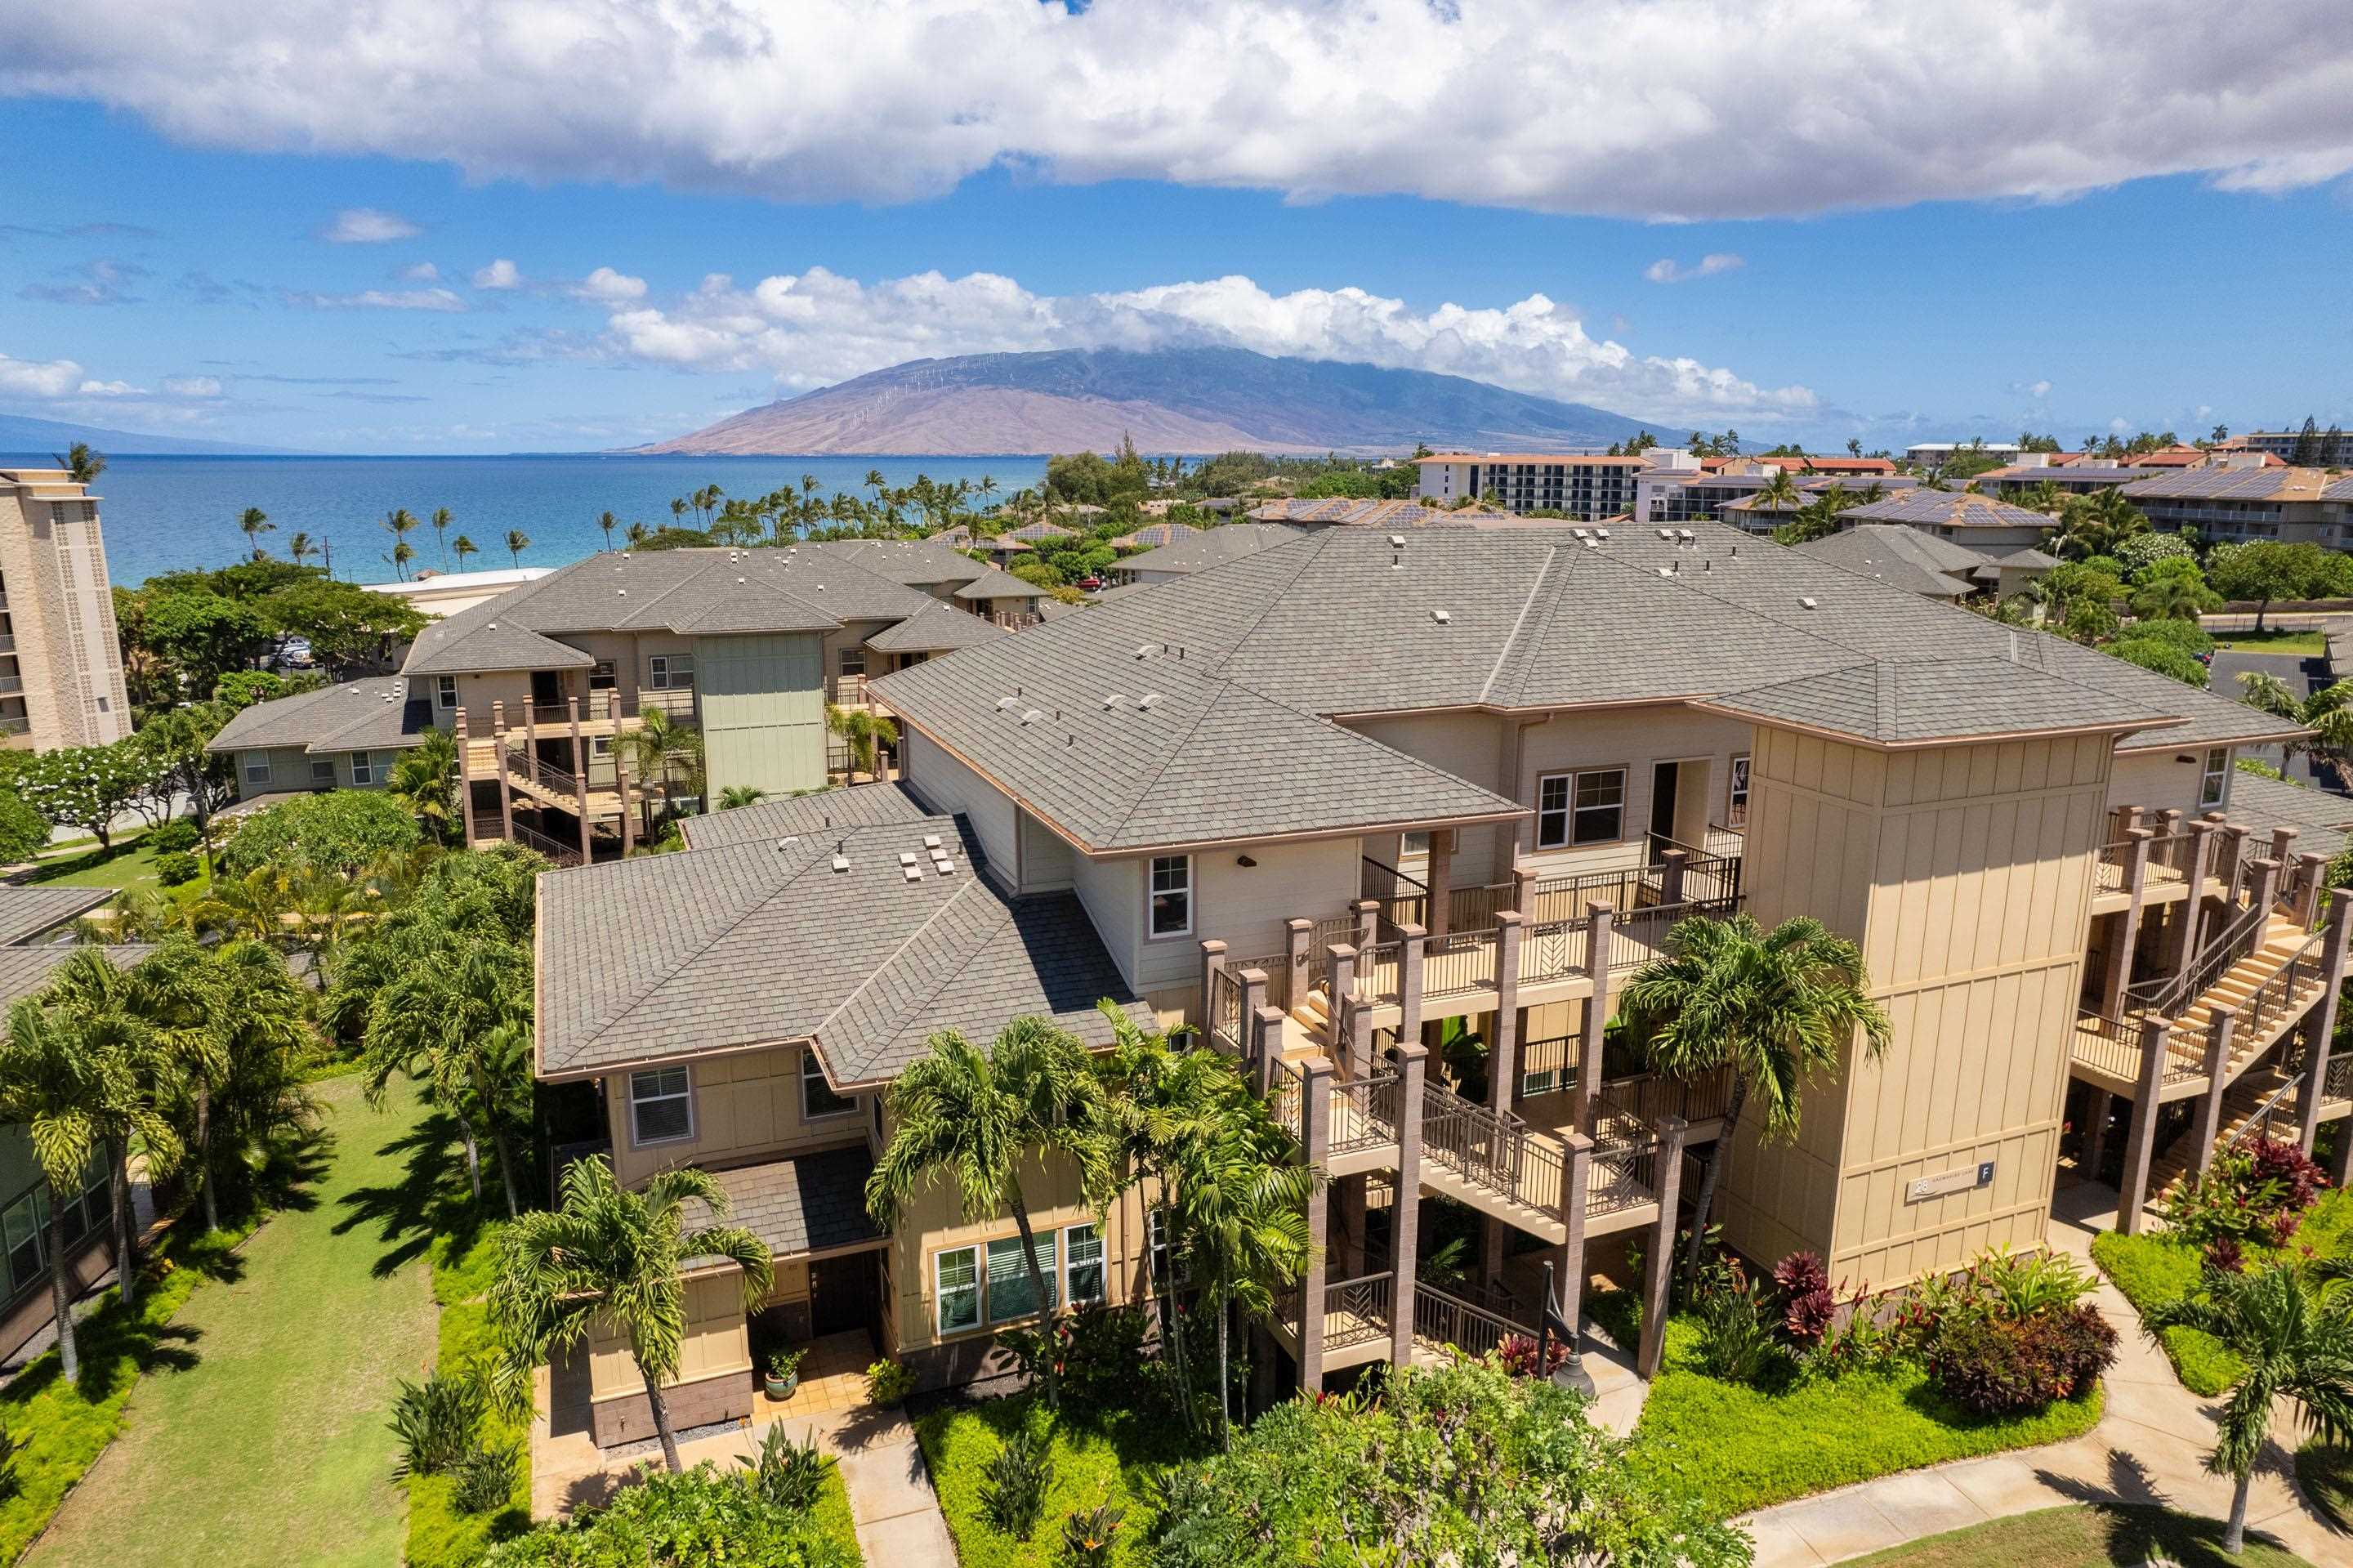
[2283, 938]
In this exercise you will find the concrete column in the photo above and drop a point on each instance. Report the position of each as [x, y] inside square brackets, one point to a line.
[2264, 878]
[2206, 1123]
[1315, 1116]
[1577, 1170]
[621, 787]
[2100, 1112]
[1360, 1038]
[2321, 1023]
[2284, 846]
[1598, 919]
[580, 777]
[1213, 964]
[1411, 954]
[1267, 1047]
[2132, 1192]
[498, 754]
[1441, 915]
[1671, 876]
[2181, 946]
[1524, 890]
[1296, 935]
[2231, 855]
[1344, 984]
[1503, 1045]
[1404, 1207]
[2120, 956]
[465, 778]
[2312, 870]
[1659, 1262]
[1368, 921]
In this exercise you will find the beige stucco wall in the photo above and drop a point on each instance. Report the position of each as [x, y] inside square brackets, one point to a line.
[1965, 874]
[746, 1107]
[60, 611]
[947, 786]
[2156, 779]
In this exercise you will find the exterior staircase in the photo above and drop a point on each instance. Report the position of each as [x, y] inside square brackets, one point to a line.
[2267, 998]
[2247, 1099]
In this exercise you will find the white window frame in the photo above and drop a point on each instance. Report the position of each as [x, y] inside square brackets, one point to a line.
[1152, 893]
[1565, 813]
[1100, 1263]
[851, 659]
[2214, 778]
[813, 1072]
[444, 692]
[256, 768]
[362, 769]
[600, 746]
[686, 1074]
[1159, 1259]
[322, 772]
[1735, 791]
[1048, 1271]
[670, 671]
[979, 1289]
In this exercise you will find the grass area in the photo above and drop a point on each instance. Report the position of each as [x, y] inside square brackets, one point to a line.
[1743, 1448]
[834, 1518]
[2153, 1269]
[2272, 639]
[268, 1427]
[2324, 1471]
[2082, 1535]
[1099, 1457]
[130, 863]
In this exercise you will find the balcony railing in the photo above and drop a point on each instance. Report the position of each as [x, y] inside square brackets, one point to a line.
[1443, 1318]
[1276, 966]
[2113, 1045]
[1364, 1114]
[2110, 871]
[1358, 1312]
[1555, 949]
[1287, 1097]
[522, 763]
[1460, 961]
[1492, 1149]
[561, 853]
[1226, 1011]
[2284, 994]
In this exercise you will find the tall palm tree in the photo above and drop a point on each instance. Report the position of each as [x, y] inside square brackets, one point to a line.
[400, 522]
[299, 548]
[1242, 1217]
[636, 534]
[609, 522]
[517, 542]
[403, 552]
[1780, 491]
[462, 547]
[864, 734]
[1773, 1008]
[2095, 524]
[2295, 1341]
[447, 1025]
[90, 996]
[661, 745]
[257, 905]
[83, 464]
[970, 1119]
[50, 1084]
[605, 1254]
[678, 511]
[441, 521]
[426, 780]
[255, 524]
[2326, 715]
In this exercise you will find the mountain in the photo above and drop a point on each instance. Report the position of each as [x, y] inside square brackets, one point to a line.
[26, 437]
[1191, 400]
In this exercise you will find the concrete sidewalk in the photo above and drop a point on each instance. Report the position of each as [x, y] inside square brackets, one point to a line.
[2149, 1447]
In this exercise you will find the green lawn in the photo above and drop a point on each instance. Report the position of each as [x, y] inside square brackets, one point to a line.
[2081, 1535]
[130, 863]
[2273, 641]
[1099, 1457]
[2324, 1470]
[262, 1439]
[2152, 1268]
[1744, 1447]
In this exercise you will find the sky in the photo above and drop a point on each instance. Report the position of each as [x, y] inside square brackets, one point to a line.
[444, 226]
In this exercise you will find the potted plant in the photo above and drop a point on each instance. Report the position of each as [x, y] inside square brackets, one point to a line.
[782, 1373]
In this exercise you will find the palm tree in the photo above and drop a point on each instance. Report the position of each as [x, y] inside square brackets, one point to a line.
[1772, 1008]
[2326, 717]
[2295, 1343]
[441, 521]
[973, 1118]
[737, 795]
[1780, 491]
[662, 744]
[517, 542]
[1242, 1216]
[864, 734]
[462, 547]
[678, 512]
[50, 1084]
[403, 552]
[300, 549]
[2173, 595]
[89, 995]
[257, 905]
[425, 779]
[399, 522]
[82, 465]
[605, 1254]
[447, 1025]
[2095, 524]
[609, 522]
[256, 523]
[636, 534]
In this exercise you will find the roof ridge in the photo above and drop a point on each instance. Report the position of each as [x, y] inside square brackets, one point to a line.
[972, 886]
[1511, 641]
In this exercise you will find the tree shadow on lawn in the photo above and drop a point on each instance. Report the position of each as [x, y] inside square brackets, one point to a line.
[2142, 1523]
[430, 1200]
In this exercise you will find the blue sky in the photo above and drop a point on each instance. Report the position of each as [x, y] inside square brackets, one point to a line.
[325, 274]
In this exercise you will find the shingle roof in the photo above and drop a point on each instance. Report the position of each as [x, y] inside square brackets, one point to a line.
[1341, 512]
[1902, 557]
[939, 628]
[915, 562]
[1211, 546]
[2322, 822]
[756, 944]
[27, 911]
[994, 584]
[356, 715]
[1946, 509]
[825, 812]
[810, 1203]
[24, 972]
[1914, 702]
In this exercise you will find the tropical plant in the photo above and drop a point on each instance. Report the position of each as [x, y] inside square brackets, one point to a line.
[52, 1082]
[662, 747]
[786, 1474]
[1772, 1008]
[426, 780]
[1014, 1485]
[606, 1255]
[486, 1476]
[517, 542]
[2326, 717]
[970, 1119]
[2095, 524]
[2174, 596]
[1089, 1534]
[889, 1382]
[737, 795]
[462, 547]
[441, 521]
[608, 522]
[81, 462]
[460, 1027]
[435, 1421]
[399, 522]
[301, 549]
[2294, 1340]
[254, 525]
[863, 733]
[1736, 1338]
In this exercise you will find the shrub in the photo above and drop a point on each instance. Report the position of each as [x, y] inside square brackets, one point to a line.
[1808, 1308]
[1994, 1364]
[178, 835]
[173, 867]
[2221, 1203]
[1801, 1274]
[342, 830]
[435, 1421]
[1102, 1350]
[1086, 1537]
[24, 831]
[786, 1474]
[486, 1478]
[1013, 1488]
[699, 1517]
[2024, 1285]
[1735, 1342]
[2297, 1176]
[1518, 1355]
[889, 1382]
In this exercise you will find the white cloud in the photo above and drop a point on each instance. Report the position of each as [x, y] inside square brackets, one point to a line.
[378, 299]
[109, 389]
[2038, 391]
[192, 385]
[1667, 269]
[367, 226]
[1645, 108]
[423, 272]
[611, 287]
[498, 274]
[818, 327]
[39, 378]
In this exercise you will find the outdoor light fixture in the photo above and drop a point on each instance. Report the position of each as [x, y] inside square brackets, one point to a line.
[1244, 860]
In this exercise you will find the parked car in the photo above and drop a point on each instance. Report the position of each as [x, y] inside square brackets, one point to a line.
[1091, 582]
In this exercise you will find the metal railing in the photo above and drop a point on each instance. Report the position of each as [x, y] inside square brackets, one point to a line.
[1277, 969]
[1625, 1175]
[1226, 1011]
[2113, 1045]
[1460, 961]
[1404, 898]
[1492, 1149]
[2166, 995]
[1364, 1114]
[1646, 1098]
[542, 772]
[2111, 872]
[2259, 1123]
[1337, 928]
[1287, 1097]
[1358, 1312]
[1555, 949]
[1728, 840]
[2337, 1083]
[1470, 908]
[1443, 1319]
[2278, 997]
[559, 852]
[1380, 971]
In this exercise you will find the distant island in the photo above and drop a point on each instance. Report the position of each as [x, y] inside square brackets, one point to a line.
[1190, 400]
[23, 435]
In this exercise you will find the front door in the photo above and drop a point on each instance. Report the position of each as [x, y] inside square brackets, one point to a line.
[546, 688]
[843, 1294]
[1663, 805]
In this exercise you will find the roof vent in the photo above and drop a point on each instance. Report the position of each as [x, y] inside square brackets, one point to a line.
[1440, 616]
[906, 857]
[932, 842]
[1114, 700]
[1667, 534]
[1149, 701]
[1601, 532]
[787, 841]
[841, 862]
[1005, 703]
[1144, 651]
[1579, 533]
[1666, 571]
[1593, 543]
[1033, 716]
[1397, 541]
[622, 592]
[911, 874]
[1807, 603]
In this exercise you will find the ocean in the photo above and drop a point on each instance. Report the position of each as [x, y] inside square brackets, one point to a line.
[167, 513]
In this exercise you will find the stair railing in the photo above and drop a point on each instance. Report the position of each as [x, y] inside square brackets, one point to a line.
[2262, 1113]
[2166, 996]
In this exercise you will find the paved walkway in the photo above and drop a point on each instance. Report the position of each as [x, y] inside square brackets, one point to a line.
[2149, 1447]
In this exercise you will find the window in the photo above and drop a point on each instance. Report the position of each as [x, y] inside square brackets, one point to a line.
[661, 1105]
[818, 1099]
[322, 773]
[1737, 805]
[1010, 1294]
[1169, 903]
[1155, 1244]
[2214, 781]
[670, 671]
[256, 768]
[853, 661]
[1574, 809]
[958, 1293]
[362, 769]
[600, 746]
[1083, 1250]
[445, 691]
[1539, 1081]
[601, 677]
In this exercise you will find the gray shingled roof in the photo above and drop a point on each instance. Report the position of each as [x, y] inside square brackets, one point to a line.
[810, 1203]
[756, 944]
[916, 562]
[24, 972]
[2322, 822]
[824, 811]
[356, 716]
[1256, 654]
[994, 584]
[27, 911]
[1946, 509]
[1902, 557]
[939, 628]
[1211, 546]
[1915, 702]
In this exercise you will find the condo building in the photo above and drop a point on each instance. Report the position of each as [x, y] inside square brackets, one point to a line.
[1327, 801]
[2336, 447]
[1583, 485]
[60, 660]
[2238, 505]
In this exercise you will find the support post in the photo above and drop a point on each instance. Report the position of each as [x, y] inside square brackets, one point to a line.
[2231, 853]
[1213, 964]
[1439, 917]
[2182, 940]
[1524, 890]
[1658, 1266]
[1412, 955]
[1404, 1203]
[499, 753]
[1368, 921]
[465, 777]
[2312, 897]
[1599, 917]
[1296, 935]
[1577, 1182]
[1315, 1119]
[2120, 956]
[2264, 879]
[1503, 1049]
[2206, 1125]
[1672, 864]
[621, 788]
[1268, 1048]
[580, 777]
[2132, 1192]
[2320, 1024]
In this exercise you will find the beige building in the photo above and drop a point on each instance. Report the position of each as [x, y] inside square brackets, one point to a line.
[60, 660]
[1330, 800]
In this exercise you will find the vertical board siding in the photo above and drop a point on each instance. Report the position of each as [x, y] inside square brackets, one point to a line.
[763, 709]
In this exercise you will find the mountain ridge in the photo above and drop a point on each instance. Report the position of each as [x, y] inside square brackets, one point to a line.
[1184, 400]
[21, 434]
